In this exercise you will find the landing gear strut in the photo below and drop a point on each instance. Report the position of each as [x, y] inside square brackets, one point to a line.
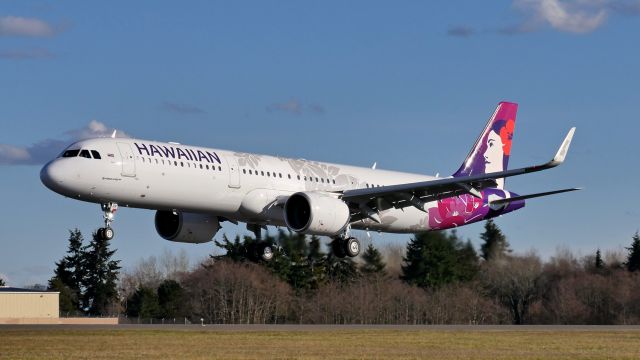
[345, 246]
[261, 250]
[109, 210]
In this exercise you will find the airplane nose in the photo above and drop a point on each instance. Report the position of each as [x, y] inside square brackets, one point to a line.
[51, 176]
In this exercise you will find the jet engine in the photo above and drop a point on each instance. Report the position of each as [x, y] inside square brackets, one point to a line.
[316, 214]
[186, 227]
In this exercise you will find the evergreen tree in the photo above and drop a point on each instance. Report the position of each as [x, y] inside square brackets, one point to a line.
[633, 259]
[236, 250]
[170, 299]
[436, 258]
[296, 250]
[67, 300]
[468, 260]
[143, 303]
[495, 243]
[599, 263]
[373, 263]
[69, 275]
[102, 274]
[2, 283]
[317, 261]
[342, 270]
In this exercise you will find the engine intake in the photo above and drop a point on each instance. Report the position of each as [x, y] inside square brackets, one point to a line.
[186, 227]
[316, 214]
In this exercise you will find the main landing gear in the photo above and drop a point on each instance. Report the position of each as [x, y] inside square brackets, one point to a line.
[261, 250]
[109, 210]
[345, 246]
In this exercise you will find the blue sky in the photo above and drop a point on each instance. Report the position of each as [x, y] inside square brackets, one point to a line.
[406, 84]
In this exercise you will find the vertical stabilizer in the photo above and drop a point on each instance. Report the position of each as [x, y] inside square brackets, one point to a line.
[491, 151]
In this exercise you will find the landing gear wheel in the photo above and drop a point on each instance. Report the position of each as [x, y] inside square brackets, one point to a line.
[265, 252]
[109, 210]
[351, 247]
[338, 247]
[107, 233]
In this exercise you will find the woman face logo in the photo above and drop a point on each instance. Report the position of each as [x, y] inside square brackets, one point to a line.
[494, 155]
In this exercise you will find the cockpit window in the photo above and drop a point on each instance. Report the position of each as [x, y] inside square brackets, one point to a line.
[71, 153]
[85, 154]
[96, 155]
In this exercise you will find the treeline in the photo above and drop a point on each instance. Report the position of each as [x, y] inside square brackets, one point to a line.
[441, 280]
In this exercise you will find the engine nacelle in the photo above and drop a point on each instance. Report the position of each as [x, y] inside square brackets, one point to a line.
[316, 214]
[186, 227]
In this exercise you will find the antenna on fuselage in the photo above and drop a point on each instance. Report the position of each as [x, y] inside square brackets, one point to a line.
[113, 136]
[374, 165]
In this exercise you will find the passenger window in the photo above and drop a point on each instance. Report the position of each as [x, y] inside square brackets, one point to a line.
[298, 177]
[244, 171]
[220, 168]
[96, 155]
[200, 166]
[334, 181]
[280, 175]
[85, 154]
[207, 167]
[262, 173]
[250, 172]
[71, 153]
[268, 174]
[289, 176]
[316, 179]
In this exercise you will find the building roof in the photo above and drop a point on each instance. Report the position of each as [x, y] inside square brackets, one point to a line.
[7, 289]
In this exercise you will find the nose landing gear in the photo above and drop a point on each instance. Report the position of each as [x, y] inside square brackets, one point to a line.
[109, 210]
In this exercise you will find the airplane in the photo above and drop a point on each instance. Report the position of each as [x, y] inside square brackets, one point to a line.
[195, 189]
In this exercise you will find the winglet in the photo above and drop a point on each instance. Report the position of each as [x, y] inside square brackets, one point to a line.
[564, 148]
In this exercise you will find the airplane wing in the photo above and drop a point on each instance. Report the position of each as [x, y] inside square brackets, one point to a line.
[372, 200]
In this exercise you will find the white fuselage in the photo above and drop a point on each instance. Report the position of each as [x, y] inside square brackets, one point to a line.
[237, 186]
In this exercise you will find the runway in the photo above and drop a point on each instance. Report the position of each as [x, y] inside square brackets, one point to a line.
[293, 327]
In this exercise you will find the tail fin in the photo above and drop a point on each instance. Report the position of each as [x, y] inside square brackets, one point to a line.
[493, 147]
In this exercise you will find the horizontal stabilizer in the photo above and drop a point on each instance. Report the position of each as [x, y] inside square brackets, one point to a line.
[530, 196]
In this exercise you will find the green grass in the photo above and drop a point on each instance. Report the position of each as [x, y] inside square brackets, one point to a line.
[323, 344]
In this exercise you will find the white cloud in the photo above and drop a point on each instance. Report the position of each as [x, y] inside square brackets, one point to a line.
[581, 16]
[45, 150]
[21, 26]
[572, 16]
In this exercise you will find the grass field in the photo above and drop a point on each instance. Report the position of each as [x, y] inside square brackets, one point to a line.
[56, 343]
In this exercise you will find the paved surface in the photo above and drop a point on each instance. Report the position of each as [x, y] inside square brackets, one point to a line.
[328, 327]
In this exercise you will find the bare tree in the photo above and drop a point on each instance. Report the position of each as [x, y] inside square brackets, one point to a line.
[515, 281]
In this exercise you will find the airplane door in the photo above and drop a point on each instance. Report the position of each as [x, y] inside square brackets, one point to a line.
[128, 160]
[234, 172]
